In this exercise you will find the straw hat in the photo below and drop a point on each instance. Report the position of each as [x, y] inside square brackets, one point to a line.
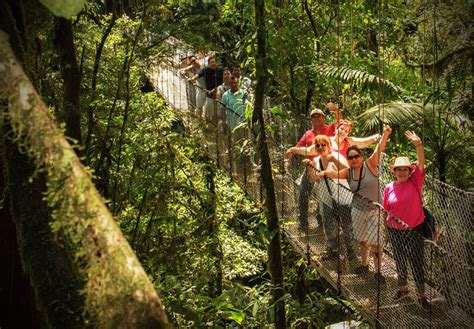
[402, 162]
[316, 111]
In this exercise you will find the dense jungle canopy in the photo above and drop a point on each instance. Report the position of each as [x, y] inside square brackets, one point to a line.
[113, 216]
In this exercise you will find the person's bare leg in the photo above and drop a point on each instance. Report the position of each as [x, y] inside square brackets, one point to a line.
[364, 252]
[378, 254]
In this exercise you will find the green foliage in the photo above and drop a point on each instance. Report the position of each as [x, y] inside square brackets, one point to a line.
[359, 80]
[157, 179]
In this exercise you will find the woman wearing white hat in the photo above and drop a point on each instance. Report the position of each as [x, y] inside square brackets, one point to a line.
[402, 200]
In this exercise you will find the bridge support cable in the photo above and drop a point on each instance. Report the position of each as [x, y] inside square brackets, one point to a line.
[446, 265]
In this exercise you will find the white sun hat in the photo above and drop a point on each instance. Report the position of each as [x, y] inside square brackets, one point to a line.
[402, 162]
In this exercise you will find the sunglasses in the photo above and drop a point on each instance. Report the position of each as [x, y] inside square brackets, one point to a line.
[353, 157]
[322, 145]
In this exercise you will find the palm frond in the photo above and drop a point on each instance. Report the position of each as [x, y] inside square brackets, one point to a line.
[358, 79]
[414, 114]
[390, 113]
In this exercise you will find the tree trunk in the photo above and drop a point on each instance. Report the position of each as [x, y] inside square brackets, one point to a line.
[215, 249]
[274, 250]
[371, 42]
[49, 269]
[17, 309]
[72, 216]
[313, 25]
[72, 79]
[95, 73]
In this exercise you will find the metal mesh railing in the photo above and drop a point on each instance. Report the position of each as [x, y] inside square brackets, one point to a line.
[340, 221]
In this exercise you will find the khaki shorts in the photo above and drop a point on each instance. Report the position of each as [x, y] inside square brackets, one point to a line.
[368, 225]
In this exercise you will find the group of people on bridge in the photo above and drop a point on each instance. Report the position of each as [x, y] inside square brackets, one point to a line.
[348, 187]
[347, 183]
[221, 93]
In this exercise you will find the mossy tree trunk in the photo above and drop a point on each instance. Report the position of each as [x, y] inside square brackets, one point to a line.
[16, 308]
[274, 250]
[68, 238]
[49, 269]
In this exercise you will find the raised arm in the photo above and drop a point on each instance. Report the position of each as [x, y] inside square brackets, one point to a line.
[374, 159]
[420, 151]
[362, 142]
[337, 113]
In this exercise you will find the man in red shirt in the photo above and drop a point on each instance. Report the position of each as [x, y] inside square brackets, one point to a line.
[319, 127]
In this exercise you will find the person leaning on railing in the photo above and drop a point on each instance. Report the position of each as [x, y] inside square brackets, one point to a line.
[363, 178]
[402, 201]
[335, 199]
[213, 77]
[196, 94]
[318, 127]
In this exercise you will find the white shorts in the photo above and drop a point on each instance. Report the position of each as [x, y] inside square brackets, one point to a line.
[210, 110]
[368, 225]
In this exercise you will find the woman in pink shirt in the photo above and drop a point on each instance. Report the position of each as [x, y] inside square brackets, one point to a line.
[402, 200]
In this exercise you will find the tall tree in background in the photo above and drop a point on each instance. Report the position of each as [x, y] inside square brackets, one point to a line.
[274, 250]
[64, 40]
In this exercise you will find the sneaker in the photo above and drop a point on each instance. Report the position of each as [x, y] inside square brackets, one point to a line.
[362, 269]
[424, 304]
[400, 294]
[329, 255]
[379, 278]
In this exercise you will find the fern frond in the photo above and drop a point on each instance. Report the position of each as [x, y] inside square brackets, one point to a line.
[410, 114]
[358, 79]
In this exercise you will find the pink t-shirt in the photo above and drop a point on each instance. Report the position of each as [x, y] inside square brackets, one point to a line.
[403, 201]
[308, 137]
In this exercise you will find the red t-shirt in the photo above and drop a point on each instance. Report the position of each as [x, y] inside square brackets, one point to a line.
[343, 150]
[308, 137]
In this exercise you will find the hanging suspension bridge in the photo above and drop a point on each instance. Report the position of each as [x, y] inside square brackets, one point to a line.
[447, 263]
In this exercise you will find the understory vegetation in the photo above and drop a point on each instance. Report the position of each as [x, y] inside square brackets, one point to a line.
[200, 238]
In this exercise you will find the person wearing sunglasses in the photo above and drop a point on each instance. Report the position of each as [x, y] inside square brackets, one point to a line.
[318, 127]
[402, 200]
[368, 222]
[340, 141]
[334, 196]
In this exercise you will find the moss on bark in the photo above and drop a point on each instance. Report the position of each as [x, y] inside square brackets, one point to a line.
[116, 291]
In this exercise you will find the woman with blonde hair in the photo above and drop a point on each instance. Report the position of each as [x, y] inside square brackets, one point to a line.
[336, 199]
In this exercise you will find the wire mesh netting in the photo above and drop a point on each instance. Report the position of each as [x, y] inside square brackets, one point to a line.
[344, 235]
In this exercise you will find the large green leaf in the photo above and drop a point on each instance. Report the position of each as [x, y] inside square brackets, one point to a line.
[391, 113]
[357, 78]
[64, 8]
[411, 113]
